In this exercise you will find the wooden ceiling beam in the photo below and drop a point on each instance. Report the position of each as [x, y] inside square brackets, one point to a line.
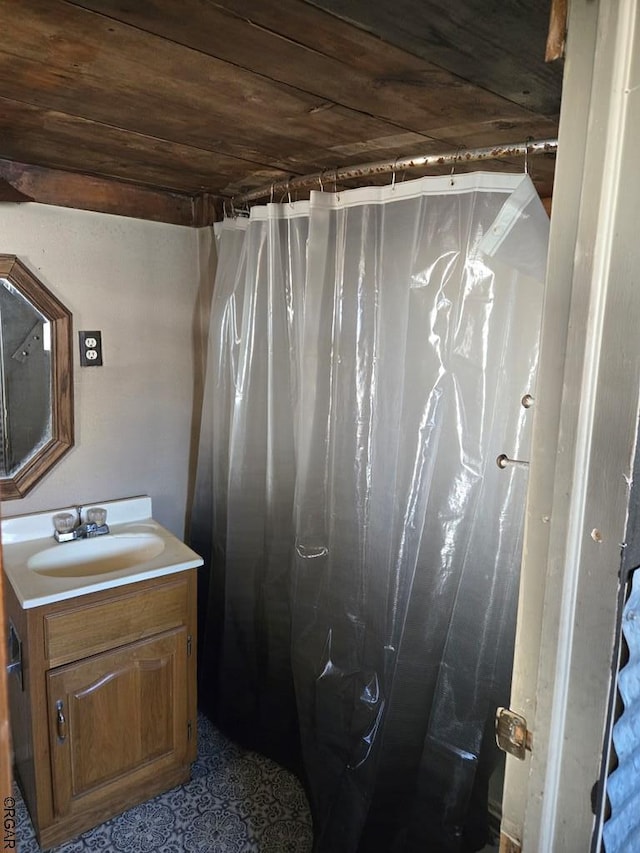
[61, 141]
[499, 46]
[102, 195]
[314, 53]
[60, 57]
[223, 96]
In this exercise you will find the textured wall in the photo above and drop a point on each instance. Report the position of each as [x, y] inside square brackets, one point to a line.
[622, 830]
[137, 282]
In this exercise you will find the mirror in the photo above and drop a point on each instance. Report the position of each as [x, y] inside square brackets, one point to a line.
[36, 388]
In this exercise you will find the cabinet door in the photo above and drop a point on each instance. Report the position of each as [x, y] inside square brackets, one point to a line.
[117, 719]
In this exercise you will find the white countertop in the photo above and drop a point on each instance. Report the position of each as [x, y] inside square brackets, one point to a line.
[28, 535]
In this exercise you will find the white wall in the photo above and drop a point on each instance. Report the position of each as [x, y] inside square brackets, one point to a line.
[138, 283]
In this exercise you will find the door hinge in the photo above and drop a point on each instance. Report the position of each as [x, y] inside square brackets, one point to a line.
[189, 730]
[512, 734]
[189, 644]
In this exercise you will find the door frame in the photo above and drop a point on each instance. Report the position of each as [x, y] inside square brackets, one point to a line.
[6, 777]
[586, 415]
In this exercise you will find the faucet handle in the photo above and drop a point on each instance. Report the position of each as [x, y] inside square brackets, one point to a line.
[63, 522]
[65, 526]
[97, 515]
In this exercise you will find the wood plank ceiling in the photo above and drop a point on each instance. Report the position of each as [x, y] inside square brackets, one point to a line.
[159, 107]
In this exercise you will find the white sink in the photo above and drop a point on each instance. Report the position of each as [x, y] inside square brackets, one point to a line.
[87, 557]
[42, 571]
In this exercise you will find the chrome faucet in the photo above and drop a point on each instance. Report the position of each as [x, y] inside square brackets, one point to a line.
[66, 530]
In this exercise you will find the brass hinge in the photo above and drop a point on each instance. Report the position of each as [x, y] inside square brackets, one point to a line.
[512, 734]
[189, 730]
[189, 644]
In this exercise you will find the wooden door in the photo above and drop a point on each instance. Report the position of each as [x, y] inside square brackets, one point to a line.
[117, 719]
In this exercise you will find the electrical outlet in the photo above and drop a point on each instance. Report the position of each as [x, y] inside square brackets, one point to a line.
[90, 349]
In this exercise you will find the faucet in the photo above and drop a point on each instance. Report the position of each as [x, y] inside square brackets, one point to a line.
[95, 525]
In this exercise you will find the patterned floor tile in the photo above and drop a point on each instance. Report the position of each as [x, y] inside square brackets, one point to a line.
[236, 802]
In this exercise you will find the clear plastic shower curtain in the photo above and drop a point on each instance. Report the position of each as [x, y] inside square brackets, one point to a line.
[242, 520]
[371, 544]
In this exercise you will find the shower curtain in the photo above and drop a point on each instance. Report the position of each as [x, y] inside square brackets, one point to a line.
[368, 355]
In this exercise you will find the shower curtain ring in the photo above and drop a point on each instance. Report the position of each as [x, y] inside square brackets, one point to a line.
[394, 172]
[526, 154]
[455, 160]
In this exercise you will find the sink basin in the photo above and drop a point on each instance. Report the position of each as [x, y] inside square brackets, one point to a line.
[137, 548]
[88, 557]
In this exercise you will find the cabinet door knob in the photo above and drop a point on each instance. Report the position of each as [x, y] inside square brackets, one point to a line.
[61, 721]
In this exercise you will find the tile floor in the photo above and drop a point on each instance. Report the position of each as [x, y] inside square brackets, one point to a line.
[236, 802]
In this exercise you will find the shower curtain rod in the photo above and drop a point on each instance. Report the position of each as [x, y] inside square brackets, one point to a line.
[363, 170]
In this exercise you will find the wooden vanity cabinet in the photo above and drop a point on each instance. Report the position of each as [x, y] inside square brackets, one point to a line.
[105, 716]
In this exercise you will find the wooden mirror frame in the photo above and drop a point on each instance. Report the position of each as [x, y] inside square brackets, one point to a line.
[38, 464]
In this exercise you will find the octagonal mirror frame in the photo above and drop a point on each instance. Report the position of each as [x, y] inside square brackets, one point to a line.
[35, 466]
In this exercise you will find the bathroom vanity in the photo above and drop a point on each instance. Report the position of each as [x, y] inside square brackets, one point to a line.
[103, 690]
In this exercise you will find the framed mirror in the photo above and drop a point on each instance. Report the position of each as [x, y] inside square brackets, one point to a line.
[36, 379]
